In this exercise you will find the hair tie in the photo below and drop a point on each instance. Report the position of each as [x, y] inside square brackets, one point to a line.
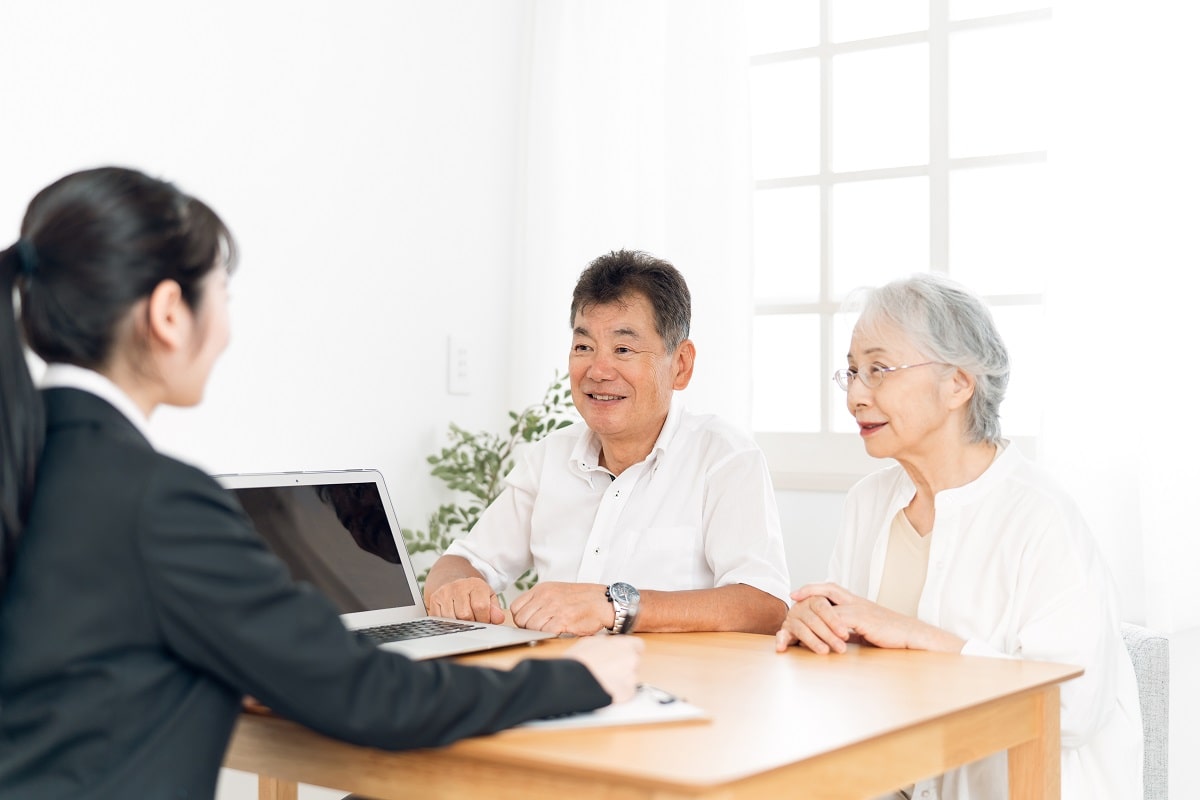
[26, 257]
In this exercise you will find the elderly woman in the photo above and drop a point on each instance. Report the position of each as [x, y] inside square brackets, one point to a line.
[964, 546]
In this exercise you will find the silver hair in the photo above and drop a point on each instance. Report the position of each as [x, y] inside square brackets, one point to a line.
[949, 324]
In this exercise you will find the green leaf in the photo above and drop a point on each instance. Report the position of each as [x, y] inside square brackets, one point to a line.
[473, 464]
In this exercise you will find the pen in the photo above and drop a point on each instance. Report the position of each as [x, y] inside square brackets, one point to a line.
[660, 696]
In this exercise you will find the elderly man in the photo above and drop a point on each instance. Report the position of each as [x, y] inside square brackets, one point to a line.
[644, 517]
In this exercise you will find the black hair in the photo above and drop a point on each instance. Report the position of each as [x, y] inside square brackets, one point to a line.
[615, 276]
[92, 245]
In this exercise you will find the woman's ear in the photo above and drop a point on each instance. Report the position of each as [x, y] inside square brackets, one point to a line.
[962, 388]
[167, 316]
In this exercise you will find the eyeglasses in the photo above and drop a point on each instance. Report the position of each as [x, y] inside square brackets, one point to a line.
[874, 374]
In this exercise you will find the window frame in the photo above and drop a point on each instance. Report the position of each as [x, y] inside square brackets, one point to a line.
[828, 460]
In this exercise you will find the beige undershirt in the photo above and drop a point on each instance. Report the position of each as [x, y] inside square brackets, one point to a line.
[906, 563]
[904, 567]
[904, 570]
[903, 579]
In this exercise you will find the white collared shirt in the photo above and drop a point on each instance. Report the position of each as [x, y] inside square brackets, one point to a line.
[699, 512]
[69, 376]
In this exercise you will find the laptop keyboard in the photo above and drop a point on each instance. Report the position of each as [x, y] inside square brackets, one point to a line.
[417, 629]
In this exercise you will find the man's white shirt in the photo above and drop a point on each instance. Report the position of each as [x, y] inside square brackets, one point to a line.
[699, 512]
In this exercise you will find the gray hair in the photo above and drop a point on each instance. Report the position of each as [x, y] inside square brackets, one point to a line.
[613, 277]
[948, 324]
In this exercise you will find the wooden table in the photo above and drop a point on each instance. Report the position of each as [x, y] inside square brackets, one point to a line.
[783, 725]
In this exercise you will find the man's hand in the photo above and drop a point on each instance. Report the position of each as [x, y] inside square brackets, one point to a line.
[466, 599]
[577, 608]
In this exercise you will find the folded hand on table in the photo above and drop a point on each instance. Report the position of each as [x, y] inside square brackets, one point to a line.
[576, 608]
[826, 616]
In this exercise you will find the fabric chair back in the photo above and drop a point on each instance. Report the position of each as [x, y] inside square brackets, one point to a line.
[1152, 665]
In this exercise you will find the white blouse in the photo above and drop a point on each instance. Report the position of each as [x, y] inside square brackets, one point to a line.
[1014, 570]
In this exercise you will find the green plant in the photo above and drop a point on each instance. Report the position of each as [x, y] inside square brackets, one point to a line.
[473, 466]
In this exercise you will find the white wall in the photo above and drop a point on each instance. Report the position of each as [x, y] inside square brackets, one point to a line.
[364, 156]
[810, 523]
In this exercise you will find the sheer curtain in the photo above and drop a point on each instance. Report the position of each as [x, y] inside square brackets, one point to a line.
[637, 136]
[1122, 391]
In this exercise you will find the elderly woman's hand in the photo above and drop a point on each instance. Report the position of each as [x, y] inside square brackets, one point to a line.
[826, 616]
[813, 623]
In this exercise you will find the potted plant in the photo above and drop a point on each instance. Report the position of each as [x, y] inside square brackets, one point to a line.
[473, 466]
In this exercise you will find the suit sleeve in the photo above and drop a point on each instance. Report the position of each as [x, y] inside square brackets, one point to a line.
[228, 607]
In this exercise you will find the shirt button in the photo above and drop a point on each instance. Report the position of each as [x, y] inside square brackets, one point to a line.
[925, 793]
[596, 551]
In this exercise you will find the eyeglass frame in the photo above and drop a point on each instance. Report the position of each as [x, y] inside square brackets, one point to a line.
[844, 377]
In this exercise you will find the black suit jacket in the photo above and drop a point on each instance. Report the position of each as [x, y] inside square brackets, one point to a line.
[142, 607]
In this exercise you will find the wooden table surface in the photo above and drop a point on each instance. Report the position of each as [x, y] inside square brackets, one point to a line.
[849, 726]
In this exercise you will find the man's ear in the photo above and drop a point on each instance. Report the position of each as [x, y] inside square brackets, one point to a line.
[167, 316]
[685, 360]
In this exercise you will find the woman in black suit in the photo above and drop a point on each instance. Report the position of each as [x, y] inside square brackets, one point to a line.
[138, 605]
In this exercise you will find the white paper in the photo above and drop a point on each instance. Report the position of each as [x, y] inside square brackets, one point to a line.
[650, 704]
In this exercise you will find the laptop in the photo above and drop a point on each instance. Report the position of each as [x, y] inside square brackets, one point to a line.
[337, 531]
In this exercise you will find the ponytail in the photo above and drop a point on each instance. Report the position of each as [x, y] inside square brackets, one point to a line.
[22, 425]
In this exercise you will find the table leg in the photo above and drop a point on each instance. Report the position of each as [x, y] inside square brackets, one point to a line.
[275, 789]
[1035, 766]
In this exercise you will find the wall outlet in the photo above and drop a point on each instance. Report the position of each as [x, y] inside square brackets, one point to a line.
[458, 366]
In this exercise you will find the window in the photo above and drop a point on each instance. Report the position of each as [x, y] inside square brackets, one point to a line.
[889, 137]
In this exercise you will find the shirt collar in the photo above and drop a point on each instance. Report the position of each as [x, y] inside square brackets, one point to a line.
[585, 457]
[670, 427]
[69, 376]
[1002, 465]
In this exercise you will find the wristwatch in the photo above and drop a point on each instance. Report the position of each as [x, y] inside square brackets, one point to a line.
[625, 600]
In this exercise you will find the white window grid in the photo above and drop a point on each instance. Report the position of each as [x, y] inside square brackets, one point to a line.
[826, 460]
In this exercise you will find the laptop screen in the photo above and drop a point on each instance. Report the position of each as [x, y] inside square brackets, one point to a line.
[335, 536]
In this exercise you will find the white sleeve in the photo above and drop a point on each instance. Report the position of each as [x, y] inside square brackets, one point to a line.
[743, 542]
[1067, 614]
[1073, 620]
[862, 515]
[498, 545]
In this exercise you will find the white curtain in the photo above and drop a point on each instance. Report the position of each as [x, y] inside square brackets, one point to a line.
[1122, 396]
[637, 136]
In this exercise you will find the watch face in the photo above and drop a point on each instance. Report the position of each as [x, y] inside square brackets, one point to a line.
[623, 593]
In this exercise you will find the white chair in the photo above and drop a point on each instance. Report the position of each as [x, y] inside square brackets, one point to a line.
[1152, 665]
